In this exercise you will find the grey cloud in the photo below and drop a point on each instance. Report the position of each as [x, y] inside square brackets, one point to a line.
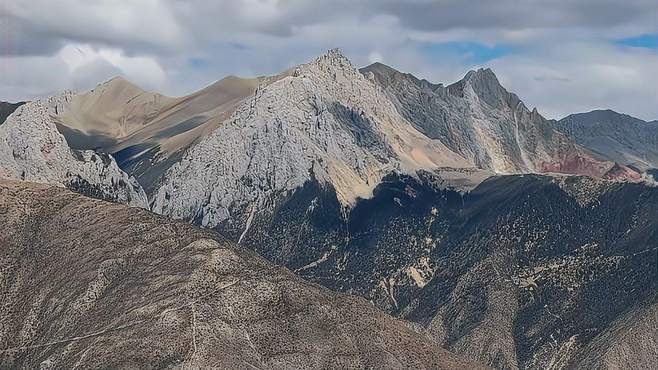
[552, 78]
[513, 14]
[19, 38]
[169, 25]
[41, 25]
[256, 37]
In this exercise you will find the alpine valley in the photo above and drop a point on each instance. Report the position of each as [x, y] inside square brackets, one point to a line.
[483, 234]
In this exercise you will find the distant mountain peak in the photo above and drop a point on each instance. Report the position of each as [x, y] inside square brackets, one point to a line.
[601, 116]
[486, 86]
[117, 84]
[381, 68]
[384, 72]
[117, 80]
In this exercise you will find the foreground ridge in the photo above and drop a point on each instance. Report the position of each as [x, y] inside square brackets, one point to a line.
[144, 291]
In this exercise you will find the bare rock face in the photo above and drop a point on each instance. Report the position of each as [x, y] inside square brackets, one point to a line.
[90, 284]
[147, 132]
[323, 120]
[7, 108]
[32, 149]
[477, 118]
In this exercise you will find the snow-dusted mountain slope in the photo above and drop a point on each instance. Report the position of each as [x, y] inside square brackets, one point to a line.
[619, 137]
[324, 120]
[32, 149]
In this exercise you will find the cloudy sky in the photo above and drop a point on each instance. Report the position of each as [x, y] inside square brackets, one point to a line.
[561, 56]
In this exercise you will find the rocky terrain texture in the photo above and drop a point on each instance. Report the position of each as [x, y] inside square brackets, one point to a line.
[327, 121]
[147, 132]
[619, 137]
[324, 121]
[90, 284]
[32, 149]
[7, 108]
[523, 271]
[424, 199]
[631, 342]
[491, 127]
[254, 140]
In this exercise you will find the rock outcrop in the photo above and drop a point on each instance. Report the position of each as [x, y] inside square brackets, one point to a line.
[618, 137]
[323, 121]
[32, 149]
[7, 108]
[147, 132]
[491, 127]
[107, 286]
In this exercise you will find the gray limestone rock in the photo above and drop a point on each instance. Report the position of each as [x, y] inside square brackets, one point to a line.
[32, 149]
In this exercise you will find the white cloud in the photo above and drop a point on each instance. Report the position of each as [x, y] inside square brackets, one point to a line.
[571, 77]
[563, 59]
[375, 56]
[74, 67]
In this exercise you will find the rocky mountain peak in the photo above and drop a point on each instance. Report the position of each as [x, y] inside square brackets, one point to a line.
[324, 121]
[483, 75]
[484, 84]
[32, 149]
[601, 116]
[332, 62]
[118, 85]
[620, 137]
[334, 57]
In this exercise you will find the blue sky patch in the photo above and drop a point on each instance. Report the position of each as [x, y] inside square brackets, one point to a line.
[469, 52]
[197, 63]
[649, 41]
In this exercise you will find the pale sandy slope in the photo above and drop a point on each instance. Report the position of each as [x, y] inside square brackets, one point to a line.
[144, 128]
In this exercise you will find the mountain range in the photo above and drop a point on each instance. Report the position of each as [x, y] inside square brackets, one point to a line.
[517, 241]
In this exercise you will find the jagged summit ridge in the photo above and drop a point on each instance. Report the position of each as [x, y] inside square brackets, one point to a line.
[482, 73]
[347, 128]
[334, 57]
[479, 119]
[326, 121]
[483, 85]
[254, 139]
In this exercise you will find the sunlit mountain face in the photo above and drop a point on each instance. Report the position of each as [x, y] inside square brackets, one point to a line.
[456, 186]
